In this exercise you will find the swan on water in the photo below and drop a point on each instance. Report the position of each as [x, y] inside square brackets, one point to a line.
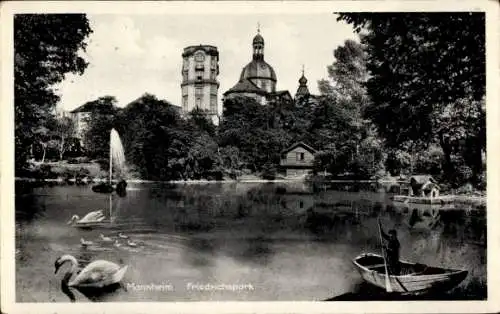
[85, 242]
[117, 244]
[105, 239]
[97, 274]
[95, 216]
[123, 236]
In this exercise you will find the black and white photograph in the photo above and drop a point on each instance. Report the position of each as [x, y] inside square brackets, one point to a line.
[248, 152]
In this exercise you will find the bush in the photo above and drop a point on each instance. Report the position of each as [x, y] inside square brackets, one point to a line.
[82, 173]
[481, 185]
[103, 164]
[463, 174]
[268, 172]
[44, 172]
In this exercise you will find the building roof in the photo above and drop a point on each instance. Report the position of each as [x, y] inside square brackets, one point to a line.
[258, 39]
[302, 80]
[303, 89]
[246, 86]
[282, 94]
[208, 49]
[307, 147]
[258, 69]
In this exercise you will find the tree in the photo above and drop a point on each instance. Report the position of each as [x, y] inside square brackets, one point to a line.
[199, 119]
[420, 63]
[64, 130]
[460, 129]
[258, 132]
[347, 141]
[348, 75]
[46, 47]
[156, 140]
[102, 118]
[40, 139]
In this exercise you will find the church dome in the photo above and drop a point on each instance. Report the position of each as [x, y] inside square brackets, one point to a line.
[302, 80]
[258, 39]
[258, 69]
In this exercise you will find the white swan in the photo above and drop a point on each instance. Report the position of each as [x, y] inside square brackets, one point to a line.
[117, 244]
[95, 216]
[105, 239]
[97, 274]
[123, 236]
[85, 242]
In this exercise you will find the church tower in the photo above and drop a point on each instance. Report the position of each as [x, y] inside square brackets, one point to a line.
[303, 90]
[200, 68]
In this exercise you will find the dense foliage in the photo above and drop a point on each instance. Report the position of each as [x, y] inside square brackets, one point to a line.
[427, 83]
[351, 144]
[45, 49]
[100, 121]
[408, 98]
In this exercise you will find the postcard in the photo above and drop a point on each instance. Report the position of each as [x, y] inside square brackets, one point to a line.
[227, 157]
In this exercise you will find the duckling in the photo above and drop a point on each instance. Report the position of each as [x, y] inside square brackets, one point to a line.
[84, 242]
[132, 244]
[123, 236]
[105, 239]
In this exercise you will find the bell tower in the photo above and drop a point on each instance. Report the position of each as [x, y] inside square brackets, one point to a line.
[200, 87]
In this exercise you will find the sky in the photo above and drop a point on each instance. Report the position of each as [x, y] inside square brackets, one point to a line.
[130, 55]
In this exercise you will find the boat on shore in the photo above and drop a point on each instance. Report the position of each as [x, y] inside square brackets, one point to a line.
[415, 279]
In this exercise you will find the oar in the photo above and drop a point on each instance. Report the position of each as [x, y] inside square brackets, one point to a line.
[388, 287]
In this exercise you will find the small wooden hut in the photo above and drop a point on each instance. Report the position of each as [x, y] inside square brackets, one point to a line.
[423, 186]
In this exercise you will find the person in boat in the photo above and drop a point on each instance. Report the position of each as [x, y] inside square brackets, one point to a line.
[391, 250]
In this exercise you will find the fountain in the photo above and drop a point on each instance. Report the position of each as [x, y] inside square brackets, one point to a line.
[116, 161]
[116, 154]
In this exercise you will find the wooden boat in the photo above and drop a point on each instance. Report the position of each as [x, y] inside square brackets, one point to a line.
[414, 279]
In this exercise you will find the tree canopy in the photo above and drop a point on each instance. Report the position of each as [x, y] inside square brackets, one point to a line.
[46, 47]
[418, 61]
[425, 69]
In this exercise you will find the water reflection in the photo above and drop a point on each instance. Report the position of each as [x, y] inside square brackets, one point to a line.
[273, 235]
[92, 294]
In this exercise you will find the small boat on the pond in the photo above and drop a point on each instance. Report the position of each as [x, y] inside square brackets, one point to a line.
[414, 279]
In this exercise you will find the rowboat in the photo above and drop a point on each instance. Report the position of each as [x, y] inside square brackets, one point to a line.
[414, 279]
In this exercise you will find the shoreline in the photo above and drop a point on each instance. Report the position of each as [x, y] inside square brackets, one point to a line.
[400, 199]
[96, 180]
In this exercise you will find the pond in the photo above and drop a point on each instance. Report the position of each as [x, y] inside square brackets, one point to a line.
[235, 241]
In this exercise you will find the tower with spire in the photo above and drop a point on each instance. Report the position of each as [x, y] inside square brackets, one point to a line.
[257, 78]
[303, 90]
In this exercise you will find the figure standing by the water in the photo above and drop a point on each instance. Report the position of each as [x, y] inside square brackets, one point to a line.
[391, 250]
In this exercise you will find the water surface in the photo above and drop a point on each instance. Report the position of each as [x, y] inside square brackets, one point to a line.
[279, 241]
